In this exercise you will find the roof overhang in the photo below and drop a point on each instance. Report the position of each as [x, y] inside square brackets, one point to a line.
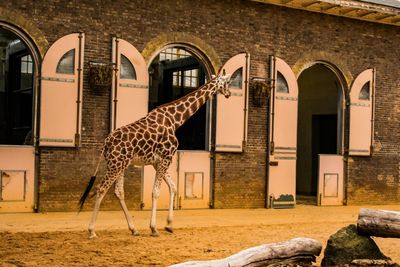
[344, 8]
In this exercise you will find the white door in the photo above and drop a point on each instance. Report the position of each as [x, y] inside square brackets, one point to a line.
[17, 172]
[190, 170]
[193, 179]
[130, 84]
[283, 136]
[231, 132]
[330, 180]
[61, 92]
[362, 114]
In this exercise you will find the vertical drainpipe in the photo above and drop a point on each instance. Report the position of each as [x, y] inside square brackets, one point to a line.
[36, 141]
[116, 69]
[270, 120]
[212, 150]
[373, 111]
[246, 93]
[267, 158]
[78, 100]
[36, 126]
[345, 152]
[36, 178]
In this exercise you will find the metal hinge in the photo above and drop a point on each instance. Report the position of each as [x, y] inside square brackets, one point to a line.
[77, 140]
[272, 147]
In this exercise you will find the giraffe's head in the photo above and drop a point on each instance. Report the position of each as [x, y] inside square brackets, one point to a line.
[222, 84]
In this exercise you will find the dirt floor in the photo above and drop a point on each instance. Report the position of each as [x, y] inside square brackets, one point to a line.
[60, 239]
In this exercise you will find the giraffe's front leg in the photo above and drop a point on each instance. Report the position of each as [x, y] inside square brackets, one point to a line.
[155, 195]
[172, 193]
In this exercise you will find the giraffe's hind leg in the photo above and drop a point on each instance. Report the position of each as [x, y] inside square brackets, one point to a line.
[172, 193]
[102, 189]
[119, 193]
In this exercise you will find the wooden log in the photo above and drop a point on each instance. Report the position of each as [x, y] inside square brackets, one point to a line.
[297, 250]
[381, 223]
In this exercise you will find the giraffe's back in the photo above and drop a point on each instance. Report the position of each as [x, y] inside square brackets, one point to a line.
[143, 142]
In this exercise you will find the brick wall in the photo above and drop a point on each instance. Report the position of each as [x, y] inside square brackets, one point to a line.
[229, 27]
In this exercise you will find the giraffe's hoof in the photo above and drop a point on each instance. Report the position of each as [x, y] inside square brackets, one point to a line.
[169, 229]
[135, 233]
[155, 234]
[92, 235]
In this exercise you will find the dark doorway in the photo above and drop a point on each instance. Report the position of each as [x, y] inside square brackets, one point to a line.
[16, 91]
[319, 123]
[174, 73]
[324, 141]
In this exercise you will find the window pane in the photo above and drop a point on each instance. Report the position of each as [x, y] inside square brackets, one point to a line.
[236, 80]
[364, 93]
[23, 66]
[26, 64]
[186, 82]
[281, 85]
[30, 67]
[176, 79]
[30, 64]
[162, 56]
[127, 69]
[67, 63]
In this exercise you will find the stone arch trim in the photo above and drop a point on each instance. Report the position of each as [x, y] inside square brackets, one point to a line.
[207, 53]
[335, 63]
[15, 20]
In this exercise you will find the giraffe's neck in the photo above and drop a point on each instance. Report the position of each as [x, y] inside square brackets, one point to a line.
[183, 108]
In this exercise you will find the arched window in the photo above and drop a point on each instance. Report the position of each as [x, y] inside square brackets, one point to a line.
[364, 93]
[17, 76]
[67, 63]
[281, 85]
[236, 80]
[127, 69]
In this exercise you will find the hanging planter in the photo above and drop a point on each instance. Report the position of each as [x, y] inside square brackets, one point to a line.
[261, 92]
[100, 75]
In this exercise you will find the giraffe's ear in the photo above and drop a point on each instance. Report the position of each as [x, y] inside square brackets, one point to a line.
[213, 76]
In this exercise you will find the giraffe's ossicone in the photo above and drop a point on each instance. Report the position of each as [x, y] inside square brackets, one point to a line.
[149, 141]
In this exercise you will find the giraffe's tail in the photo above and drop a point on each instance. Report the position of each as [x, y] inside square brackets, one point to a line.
[86, 192]
[90, 185]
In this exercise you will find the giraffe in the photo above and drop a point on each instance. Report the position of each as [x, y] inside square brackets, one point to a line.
[149, 141]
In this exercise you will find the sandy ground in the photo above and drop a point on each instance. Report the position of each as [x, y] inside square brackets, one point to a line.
[60, 239]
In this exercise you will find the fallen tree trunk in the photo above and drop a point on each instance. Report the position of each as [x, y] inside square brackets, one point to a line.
[381, 223]
[301, 251]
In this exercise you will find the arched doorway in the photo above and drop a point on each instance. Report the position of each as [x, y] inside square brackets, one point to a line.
[320, 128]
[18, 84]
[175, 71]
[17, 72]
